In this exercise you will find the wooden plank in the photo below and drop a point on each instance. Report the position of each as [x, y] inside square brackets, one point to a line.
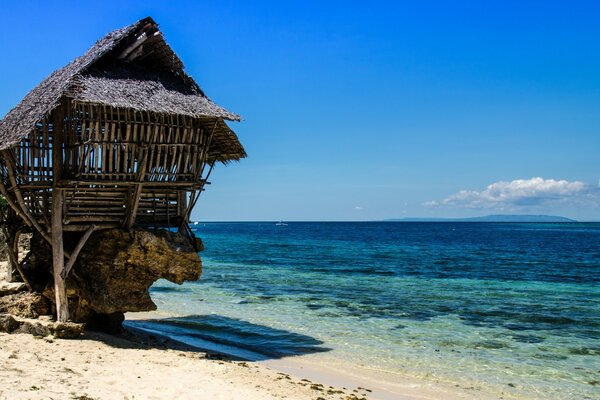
[95, 218]
[70, 184]
[99, 226]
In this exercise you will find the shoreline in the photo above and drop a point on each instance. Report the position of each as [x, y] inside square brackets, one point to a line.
[137, 365]
[381, 385]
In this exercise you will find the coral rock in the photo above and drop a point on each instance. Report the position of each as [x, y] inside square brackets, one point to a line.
[115, 270]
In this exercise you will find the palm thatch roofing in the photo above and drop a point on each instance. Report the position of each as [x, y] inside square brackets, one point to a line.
[133, 68]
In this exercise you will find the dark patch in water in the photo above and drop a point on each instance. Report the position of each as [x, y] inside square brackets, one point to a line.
[527, 338]
[355, 271]
[489, 344]
[314, 306]
[550, 357]
[329, 314]
[585, 351]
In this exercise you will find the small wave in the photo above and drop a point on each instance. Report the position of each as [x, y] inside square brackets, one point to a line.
[167, 289]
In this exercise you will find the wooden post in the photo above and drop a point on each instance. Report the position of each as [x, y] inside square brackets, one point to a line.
[137, 192]
[58, 256]
[58, 252]
[12, 260]
[13, 251]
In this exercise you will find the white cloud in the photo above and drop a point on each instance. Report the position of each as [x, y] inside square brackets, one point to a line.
[358, 208]
[524, 193]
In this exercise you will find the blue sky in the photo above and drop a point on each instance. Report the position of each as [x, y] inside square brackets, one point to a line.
[367, 110]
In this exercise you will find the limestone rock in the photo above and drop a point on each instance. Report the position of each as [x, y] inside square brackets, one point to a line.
[67, 330]
[7, 288]
[116, 268]
[40, 327]
[25, 304]
[8, 323]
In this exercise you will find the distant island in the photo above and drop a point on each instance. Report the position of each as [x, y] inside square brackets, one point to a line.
[490, 218]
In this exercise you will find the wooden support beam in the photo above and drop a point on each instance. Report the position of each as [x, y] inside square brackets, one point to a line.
[75, 253]
[12, 204]
[19, 196]
[12, 249]
[99, 226]
[58, 196]
[137, 192]
[181, 207]
[195, 196]
[135, 202]
[8, 241]
[15, 261]
[58, 257]
[72, 183]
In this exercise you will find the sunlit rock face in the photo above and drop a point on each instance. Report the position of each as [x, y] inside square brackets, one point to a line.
[115, 270]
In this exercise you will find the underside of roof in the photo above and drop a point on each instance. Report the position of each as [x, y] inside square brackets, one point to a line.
[131, 68]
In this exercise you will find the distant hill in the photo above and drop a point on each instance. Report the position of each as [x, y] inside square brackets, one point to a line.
[490, 218]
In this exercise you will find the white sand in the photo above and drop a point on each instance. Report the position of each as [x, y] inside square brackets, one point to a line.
[141, 366]
[105, 367]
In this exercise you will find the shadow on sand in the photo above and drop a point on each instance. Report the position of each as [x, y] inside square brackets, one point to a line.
[234, 337]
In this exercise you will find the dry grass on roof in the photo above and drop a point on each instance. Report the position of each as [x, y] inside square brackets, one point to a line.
[150, 79]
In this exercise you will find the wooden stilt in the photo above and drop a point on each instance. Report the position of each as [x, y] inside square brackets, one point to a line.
[58, 195]
[15, 261]
[13, 252]
[12, 259]
[58, 257]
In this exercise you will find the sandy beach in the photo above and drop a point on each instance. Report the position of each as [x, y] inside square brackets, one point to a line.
[299, 201]
[139, 365]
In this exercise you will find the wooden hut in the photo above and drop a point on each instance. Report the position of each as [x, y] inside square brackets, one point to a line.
[121, 136]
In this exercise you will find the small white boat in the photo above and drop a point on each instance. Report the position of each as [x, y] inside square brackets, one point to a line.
[281, 223]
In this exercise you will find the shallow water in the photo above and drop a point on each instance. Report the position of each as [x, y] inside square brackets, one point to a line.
[509, 308]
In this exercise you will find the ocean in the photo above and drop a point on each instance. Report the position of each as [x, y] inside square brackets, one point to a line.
[511, 309]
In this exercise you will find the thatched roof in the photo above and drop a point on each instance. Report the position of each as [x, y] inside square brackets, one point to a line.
[134, 68]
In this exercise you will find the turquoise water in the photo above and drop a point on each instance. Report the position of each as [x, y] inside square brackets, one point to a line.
[512, 309]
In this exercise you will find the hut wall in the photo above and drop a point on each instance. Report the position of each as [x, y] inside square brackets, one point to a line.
[113, 161]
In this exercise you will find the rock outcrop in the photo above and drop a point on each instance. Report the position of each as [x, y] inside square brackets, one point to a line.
[25, 304]
[40, 327]
[114, 272]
